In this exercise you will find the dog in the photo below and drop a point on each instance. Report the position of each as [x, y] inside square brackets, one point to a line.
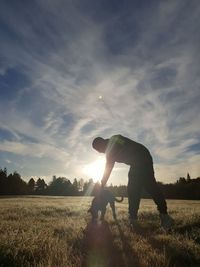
[100, 201]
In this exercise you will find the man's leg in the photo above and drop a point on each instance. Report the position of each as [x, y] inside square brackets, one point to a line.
[103, 211]
[112, 205]
[153, 189]
[134, 192]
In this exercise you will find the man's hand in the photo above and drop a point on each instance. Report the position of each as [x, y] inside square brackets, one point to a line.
[108, 169]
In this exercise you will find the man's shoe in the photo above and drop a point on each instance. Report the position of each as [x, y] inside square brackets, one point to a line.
[166, 221]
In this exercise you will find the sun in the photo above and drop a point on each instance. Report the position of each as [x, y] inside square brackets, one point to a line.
[95, 169]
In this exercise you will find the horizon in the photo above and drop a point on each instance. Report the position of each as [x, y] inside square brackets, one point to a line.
[87, 179]
[72, 71]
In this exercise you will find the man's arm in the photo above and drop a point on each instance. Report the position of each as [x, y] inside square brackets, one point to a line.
[108, 169]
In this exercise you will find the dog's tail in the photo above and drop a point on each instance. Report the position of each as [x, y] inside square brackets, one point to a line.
[119, 200]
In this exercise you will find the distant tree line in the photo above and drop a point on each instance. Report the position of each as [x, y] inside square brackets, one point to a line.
[13, 184]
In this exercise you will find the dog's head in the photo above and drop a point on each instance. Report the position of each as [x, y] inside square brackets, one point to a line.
[94, 213]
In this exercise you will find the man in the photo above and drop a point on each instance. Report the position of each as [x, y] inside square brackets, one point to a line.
[141, 174]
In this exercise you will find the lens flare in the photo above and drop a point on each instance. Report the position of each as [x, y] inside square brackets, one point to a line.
[95, 169]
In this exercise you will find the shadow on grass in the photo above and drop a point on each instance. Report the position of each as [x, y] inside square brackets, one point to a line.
[130, 257]
[8, 259]
[100, 250]
[176, 255]
[188, 229]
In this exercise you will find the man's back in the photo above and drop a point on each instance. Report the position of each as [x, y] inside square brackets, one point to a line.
[124, 150]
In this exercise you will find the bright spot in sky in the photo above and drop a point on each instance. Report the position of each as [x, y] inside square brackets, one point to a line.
[100, 97]
[95, 169]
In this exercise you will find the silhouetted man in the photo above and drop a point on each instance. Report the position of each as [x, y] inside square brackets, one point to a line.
[141, 174]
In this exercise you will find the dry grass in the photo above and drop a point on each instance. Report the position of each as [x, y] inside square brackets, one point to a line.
[50, 231]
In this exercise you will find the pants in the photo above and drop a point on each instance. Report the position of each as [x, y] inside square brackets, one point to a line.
[137, 181]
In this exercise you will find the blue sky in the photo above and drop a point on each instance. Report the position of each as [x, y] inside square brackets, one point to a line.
[58, 57]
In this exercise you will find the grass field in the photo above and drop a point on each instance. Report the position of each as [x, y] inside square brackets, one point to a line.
[50, 231]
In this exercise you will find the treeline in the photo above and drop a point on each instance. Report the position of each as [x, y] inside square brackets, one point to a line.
[183, 188]
[13, 184]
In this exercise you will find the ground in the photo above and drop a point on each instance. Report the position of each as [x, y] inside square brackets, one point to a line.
[57, 231]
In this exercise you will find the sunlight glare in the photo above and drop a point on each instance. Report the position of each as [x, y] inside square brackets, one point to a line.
[95, 169]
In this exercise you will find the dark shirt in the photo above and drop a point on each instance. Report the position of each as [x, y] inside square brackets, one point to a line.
[124, 150]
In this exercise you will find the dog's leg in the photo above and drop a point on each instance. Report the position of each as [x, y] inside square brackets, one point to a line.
[103, 211]
[112, 205]
[95, 215]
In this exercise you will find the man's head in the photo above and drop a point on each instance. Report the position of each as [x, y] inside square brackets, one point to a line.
[100, 144]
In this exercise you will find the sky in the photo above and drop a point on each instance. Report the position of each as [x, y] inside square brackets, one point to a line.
[74, 70]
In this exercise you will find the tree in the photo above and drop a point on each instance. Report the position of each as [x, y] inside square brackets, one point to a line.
[31, 186]
[88, 188]
[75, 187]
[181, 180]
[15, 184]
[188, 177]
[3, 181]
[80, 185]
[60, 186]
[40, 186]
